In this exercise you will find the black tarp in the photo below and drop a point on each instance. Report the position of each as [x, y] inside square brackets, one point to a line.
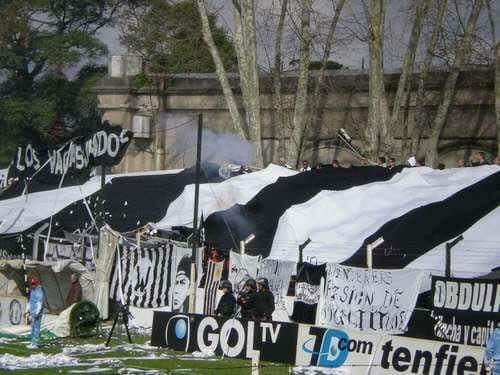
[260, 216]
[413, 234]
[126, 203]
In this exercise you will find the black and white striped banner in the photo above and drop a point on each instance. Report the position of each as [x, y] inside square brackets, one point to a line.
[212, 281]
[153, 276]
[144, 276]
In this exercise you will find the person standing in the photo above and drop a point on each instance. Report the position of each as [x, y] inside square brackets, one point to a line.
[492, 354]
[227, 304]
[35, 309]
[264, 301]
[75, 291]
[246, 300]
[305, 166]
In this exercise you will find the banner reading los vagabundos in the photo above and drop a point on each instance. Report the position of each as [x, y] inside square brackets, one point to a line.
[369, 300]
[465, 311]
[43, 167]
[351, 351]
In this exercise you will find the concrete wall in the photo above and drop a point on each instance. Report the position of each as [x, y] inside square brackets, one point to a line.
[470, 126]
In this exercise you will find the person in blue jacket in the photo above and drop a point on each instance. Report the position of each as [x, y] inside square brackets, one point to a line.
[492, 355]
[35, 309]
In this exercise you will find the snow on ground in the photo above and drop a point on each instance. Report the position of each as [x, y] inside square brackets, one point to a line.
[36, 361]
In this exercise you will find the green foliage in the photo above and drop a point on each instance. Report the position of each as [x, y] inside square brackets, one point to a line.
[168, 36]
[40, 42]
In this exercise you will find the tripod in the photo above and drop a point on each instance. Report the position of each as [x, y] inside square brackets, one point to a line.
[124, 314]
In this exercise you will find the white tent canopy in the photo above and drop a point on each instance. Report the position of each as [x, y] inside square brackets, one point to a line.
[337, 222]
[220, 196]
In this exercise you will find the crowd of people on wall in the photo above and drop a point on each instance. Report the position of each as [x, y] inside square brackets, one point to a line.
[475, 160]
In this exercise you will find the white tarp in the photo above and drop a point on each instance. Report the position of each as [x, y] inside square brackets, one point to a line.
[369, 300]
[3, 177]
[242, 268]
[480, 245]
[220, 196]
[338, 222]
[278, 273]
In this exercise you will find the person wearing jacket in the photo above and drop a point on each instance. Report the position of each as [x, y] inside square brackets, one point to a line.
[35, 309]
[227, 304]
[246, 300]
[492, 355]
[75, 291]
[264, 301]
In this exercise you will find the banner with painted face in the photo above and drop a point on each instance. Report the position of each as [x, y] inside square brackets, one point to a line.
[180, 277]
[46, 167]
[465, 311]
[369, 299]
[12, 310]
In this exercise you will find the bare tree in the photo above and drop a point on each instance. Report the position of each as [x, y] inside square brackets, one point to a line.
[449, 88]
[221, 72]
[423, 77]
[300, 115]
[404, 84]
[376, 133]
[318, 100]
[277, 72]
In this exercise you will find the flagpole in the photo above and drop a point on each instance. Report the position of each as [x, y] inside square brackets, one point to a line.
[196, 234]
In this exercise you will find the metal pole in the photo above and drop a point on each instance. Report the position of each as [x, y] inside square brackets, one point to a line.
[369, 257]
[448, 260]
[448, 247]
[196, 240]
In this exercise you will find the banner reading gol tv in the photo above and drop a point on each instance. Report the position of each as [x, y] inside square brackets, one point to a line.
[466, 311]
[298, 344]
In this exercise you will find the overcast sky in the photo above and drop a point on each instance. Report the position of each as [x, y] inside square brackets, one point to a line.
[348, 49]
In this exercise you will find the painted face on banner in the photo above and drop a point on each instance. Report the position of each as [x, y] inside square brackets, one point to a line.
[181, 289]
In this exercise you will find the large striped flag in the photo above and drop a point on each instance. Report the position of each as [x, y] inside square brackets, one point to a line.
[144, 275]
[212, 281]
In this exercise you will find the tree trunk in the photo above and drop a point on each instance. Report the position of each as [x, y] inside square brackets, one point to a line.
[318, 100]
[424, 72]
[220, 71]
[407, 68]
[378, 113]
[277, 98]
[299, 114]
[497, 94]
[450, 86]
[252, 105]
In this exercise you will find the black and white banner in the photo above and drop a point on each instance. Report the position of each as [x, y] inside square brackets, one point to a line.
[144, 276]
[465, 311]
[212, 281]
[60, 249]
[241, 268]
[345, 350]
[44, 167]
[153, 276]
[307, 292]
[278, 273]
[369, 299]
[233, 338]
